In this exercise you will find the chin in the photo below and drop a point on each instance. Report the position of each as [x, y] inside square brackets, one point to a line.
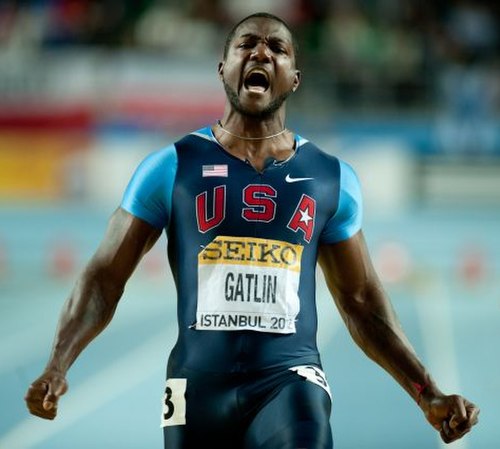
[258, 109]
[252, 105]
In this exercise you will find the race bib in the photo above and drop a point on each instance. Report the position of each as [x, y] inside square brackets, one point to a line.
[174, 403]
[248, 283]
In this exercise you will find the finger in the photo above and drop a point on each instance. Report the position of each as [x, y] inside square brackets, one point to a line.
[446, 433]
[472, 413]
[449, 438]
[35, 390]
[472, 420]
[459, 413]
[56, 388]
[472, 417]
[35, 394]
[45, 414]
[449, 434]
[34, 400]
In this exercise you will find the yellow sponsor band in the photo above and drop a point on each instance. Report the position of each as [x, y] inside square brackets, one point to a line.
[253, 252]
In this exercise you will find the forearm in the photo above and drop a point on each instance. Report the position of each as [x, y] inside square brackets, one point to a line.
[375, 327]
[373, 324]
[85, 314]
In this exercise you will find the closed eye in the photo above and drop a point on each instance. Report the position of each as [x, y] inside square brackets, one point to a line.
[278, 49]
[277, 46]
[248, 41]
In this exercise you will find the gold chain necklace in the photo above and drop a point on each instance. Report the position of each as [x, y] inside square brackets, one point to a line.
[272, 136]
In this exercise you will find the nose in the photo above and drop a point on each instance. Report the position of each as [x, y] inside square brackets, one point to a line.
[261, 52]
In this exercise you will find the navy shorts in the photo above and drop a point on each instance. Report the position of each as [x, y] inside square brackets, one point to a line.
[271, 409]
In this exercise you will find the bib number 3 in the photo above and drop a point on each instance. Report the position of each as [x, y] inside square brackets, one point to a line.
[174, 403]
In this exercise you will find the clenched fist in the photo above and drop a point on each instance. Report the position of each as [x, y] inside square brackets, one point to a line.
[452, 416]
[44, 393]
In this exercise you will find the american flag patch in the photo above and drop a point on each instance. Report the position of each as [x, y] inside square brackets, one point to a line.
[214, 170]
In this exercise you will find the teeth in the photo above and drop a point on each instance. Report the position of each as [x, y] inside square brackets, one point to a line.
[258, 71]
[257, 87]
[261, 72]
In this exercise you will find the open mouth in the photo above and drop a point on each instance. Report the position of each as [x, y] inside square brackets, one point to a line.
[257, 81]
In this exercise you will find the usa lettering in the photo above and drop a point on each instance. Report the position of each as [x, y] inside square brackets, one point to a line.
[258, 205]
[261, 206]
[205, 222]
[303, 217]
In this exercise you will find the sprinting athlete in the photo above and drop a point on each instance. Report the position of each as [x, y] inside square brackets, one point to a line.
[249, 209]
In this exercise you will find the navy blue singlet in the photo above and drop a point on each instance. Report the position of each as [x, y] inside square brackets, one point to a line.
[242, 246]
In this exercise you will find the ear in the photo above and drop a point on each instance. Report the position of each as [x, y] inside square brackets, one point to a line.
[296, 80]
[220, 69]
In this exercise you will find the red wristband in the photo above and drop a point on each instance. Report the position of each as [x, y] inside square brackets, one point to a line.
[420, 389]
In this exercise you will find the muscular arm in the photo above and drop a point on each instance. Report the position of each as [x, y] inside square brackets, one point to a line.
[374, 326]
[91, 304]
[367, 312]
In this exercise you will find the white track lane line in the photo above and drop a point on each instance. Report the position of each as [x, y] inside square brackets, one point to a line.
[434, 308]
[139, 364]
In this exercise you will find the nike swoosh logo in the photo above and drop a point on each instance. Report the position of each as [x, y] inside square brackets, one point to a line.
[290, 179]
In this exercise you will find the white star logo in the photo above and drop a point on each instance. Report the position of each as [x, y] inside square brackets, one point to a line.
[305, 217]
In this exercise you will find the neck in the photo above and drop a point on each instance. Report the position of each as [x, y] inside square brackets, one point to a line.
[254, 141]
[249, 137]
[249, 126]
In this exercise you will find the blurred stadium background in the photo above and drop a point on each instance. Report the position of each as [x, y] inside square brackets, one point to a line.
[408, 91]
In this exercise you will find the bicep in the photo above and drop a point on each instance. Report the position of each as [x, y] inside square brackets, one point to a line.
[126, 240]
[349, 271]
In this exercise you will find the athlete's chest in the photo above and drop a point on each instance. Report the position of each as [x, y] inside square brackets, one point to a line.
[226, 194]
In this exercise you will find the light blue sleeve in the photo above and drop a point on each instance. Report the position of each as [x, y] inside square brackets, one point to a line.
[347, 219]
[148, 195]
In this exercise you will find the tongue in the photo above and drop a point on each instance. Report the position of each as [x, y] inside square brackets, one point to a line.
[256, 88]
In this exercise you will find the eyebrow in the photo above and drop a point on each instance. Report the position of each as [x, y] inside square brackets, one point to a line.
[274, 39]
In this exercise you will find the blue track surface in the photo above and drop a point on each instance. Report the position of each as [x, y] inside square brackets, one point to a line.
[116, 386]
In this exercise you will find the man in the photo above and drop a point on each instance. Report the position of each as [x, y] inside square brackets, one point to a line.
[249, 208]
